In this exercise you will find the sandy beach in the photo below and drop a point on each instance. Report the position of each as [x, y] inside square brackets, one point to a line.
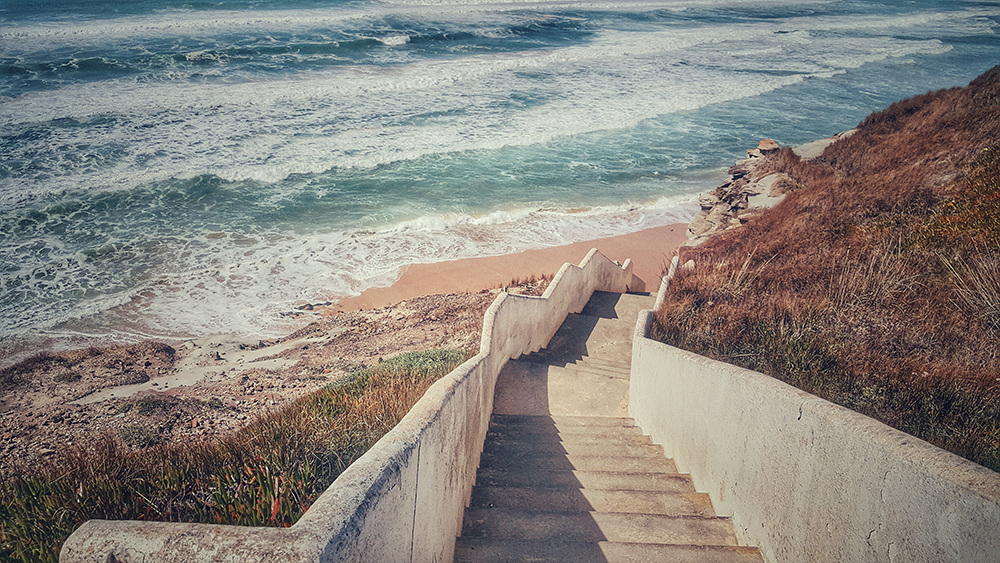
[650, 251]
[204, 387]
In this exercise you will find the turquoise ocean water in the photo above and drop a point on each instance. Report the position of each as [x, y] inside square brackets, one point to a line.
[173, 169]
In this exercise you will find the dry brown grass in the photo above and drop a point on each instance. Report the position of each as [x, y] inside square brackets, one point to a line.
[876, 283]
[531, 285]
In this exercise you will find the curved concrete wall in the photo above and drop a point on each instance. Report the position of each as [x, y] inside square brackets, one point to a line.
[804, 479]
[403, 500]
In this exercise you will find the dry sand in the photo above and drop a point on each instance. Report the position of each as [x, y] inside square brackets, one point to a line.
[650, 251]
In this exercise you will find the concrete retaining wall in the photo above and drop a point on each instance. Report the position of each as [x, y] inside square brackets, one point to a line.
[804, 479]
[403, 500]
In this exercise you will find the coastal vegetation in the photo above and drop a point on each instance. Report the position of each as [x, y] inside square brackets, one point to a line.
[266, 474]
[876, 283]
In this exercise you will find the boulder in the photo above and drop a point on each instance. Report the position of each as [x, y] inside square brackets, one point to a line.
[745, 194]
[764, 148]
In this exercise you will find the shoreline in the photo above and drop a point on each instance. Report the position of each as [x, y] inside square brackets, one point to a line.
[205, 387]
[650, 251]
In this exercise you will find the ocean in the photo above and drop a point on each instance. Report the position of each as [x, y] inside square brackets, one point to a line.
[180, 168]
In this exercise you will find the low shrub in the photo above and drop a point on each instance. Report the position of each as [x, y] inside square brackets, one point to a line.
[138, 436]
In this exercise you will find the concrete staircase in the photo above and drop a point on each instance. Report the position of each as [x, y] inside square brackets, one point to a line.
[566, 476]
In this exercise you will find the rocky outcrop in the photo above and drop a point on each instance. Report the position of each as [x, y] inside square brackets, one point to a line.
[750, 189]
[811, 150]
[764, 148]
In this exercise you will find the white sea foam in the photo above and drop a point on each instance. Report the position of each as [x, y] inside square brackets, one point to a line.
[464, 6]
[241, 285]
[361, 116]
[22, 37]
[395, 40]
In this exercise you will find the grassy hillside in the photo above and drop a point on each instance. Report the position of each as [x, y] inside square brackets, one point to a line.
[266, 474]
[876, 282]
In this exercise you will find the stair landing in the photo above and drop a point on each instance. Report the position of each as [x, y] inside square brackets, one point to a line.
[566, 476]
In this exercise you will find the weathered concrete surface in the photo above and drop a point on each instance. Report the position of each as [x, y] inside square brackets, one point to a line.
[603, 500]
[555, 383]
[531, 504]
[403, 500]
[545, 551]
[593, 526]
[564, 476]
[538, 389]
[807, 480]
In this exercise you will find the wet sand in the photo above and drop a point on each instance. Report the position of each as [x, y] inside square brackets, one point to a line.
[650, 251]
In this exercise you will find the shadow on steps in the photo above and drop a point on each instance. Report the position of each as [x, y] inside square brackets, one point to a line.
[587, 489]
[566, 476]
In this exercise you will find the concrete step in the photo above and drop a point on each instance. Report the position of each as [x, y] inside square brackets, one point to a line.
[561, 421]
[581, 371]
[531, 436]
[581, 335]
[525, 388]
[623, 372]
[578, 370]
[546, 355]
[530, 461]
[610, 364]
[615, 305]
[583, 443]
[573, 448]
[577, 479]
[544, 358]
[482, 550]
[514, 429]
[588, 500]
[504, 524]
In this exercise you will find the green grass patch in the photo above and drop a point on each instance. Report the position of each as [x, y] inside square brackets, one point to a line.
[266, 474]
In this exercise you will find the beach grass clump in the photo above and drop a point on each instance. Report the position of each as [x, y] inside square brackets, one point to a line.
[972, 214]
[146, 406]
[876, 283]
[530, 285]
[977, 286]
[265, 474]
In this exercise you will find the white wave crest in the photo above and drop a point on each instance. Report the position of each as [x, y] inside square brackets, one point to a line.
[395, 40]
[368, 116]
[240, 285]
